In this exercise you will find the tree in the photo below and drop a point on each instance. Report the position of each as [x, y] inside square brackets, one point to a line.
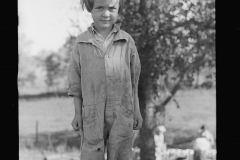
[52, 64]
[65, 51]
[26, 65]
[56, 64]
[171, 35]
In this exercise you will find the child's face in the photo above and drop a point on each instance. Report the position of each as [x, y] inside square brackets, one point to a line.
[105, 13]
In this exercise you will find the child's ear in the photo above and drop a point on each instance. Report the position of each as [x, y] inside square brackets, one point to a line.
[118, 19]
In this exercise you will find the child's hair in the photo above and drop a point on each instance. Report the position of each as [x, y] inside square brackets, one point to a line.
[203, 127]
[89, 5]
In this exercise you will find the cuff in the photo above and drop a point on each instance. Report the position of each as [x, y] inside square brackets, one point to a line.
[74, 91]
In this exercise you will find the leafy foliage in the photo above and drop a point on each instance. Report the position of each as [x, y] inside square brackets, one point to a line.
[55, 65]
[171, 35]
[52, 64]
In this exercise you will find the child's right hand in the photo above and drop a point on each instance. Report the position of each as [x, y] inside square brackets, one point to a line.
[77, 123]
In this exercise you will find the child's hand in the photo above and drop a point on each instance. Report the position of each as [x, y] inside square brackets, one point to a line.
[137, 120]
[77, 122]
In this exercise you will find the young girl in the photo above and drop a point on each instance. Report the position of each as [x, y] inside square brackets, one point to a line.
[103, 80]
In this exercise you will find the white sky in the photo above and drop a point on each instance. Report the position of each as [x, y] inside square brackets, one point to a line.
[46, 22]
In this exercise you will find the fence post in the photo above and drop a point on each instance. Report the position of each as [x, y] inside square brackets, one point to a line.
[50, 145]
[36, 137]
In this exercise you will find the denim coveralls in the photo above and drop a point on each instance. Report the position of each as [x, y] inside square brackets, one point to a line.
[107, 82]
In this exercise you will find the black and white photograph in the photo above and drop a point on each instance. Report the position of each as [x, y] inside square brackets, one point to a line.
[117, 80]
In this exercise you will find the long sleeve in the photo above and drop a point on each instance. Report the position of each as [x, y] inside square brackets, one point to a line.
[135, 73]
[74, 74]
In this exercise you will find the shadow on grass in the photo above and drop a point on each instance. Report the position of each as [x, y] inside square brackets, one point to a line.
[182, 139]
[43, 95]
[178, 138]
[52, 141]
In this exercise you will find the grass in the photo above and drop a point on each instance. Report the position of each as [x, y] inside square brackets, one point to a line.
[54, 115]
[197, 107]
[36, 154]
[26, 154]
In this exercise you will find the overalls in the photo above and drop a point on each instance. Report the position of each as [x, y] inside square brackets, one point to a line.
[105, 81]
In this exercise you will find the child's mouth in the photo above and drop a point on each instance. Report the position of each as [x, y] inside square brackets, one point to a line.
[105, 21]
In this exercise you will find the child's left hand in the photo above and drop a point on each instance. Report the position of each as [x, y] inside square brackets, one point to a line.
[137, 120]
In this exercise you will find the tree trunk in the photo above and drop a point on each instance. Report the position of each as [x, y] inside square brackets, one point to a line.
[197, 79]
[146, 139]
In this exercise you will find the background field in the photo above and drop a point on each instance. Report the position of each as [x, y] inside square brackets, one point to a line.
[53, 114]
[197, 107]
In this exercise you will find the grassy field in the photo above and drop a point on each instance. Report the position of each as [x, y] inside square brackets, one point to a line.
[53, 114]
[197, 107]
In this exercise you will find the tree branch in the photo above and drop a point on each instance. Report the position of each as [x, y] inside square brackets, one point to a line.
[161, 107]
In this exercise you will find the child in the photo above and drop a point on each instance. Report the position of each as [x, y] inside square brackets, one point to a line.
[103, 79]
[204, 132]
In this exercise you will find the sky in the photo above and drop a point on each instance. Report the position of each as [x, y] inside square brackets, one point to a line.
[46, 22]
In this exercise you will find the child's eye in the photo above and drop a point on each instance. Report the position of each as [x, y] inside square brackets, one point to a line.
[112, 8]
[100, 8]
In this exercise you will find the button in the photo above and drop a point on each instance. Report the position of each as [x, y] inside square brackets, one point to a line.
[114, 115]
[106, 56]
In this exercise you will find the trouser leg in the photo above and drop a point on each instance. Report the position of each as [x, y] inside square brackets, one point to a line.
[109, 126]
[93, 141]
[119, 143]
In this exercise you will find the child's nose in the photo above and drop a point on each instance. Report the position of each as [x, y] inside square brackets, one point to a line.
[106, 13]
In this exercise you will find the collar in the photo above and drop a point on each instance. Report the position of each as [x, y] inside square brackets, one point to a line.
[88, 36]
[115, 29]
